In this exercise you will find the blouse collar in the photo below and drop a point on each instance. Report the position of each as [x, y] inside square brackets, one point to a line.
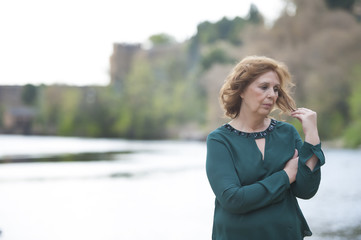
[254, 135]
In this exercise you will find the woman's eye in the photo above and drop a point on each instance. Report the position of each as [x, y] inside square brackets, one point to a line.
[276, 89]
[264, 87]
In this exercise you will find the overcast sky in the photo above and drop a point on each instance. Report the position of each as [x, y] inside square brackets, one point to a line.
[70, 41]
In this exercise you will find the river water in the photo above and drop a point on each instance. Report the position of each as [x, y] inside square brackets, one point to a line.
[141, 190]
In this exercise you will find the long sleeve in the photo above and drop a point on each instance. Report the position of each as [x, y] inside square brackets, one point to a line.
[225, 183]
[307, 181]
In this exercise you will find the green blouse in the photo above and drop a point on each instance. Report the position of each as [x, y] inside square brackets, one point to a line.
[254, 199]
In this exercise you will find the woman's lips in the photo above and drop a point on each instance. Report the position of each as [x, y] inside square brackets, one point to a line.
[268, 105]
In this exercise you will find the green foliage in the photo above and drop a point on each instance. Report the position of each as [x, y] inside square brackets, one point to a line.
[70, 102]
[168, 88]
[50, 98]
[352, 134]
[157, 98]
[254, 16]
[96, 114]
[331, 119]
[342, 4]
[29, 94]
[228, 30]
[206, 32]
[215, 55]
[355, 96]
[139, 89]
[161, 39]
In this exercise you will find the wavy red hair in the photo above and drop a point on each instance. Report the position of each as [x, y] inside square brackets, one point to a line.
[244, 73]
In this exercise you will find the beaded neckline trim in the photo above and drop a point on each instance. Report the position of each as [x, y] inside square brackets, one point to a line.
[253, 134]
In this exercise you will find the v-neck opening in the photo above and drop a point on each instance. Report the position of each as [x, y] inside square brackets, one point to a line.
[263, 154]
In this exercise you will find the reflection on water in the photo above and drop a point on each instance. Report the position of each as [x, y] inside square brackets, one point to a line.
[69, 157]
[74, 188]
[349, 233]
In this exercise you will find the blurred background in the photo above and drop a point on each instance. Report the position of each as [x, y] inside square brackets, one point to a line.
[105, 106]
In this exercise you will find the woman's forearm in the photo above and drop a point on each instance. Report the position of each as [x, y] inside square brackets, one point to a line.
[312, 137]
[311, 163]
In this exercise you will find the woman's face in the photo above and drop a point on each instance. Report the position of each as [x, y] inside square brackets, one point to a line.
[261, 95]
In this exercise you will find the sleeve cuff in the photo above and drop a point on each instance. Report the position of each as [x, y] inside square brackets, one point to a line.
[306, 152]
[286, 179]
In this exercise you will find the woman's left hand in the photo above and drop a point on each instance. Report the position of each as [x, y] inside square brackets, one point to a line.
[308, 119]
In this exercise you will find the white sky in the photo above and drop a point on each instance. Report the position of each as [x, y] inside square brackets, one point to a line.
[70, 41]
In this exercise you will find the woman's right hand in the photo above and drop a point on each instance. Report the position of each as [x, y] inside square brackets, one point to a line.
[292, 167]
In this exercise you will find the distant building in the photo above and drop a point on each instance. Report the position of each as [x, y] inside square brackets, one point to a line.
[121, 62]
[18, 120]
[10, 95]
[15, 117]
[122, 59]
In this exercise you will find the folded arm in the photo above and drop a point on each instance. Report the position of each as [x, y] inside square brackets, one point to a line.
[225, 183]
[308, 177]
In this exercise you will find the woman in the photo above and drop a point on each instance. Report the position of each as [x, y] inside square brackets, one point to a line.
[257, 166]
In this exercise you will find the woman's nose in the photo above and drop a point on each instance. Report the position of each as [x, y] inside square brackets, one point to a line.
[272, 93]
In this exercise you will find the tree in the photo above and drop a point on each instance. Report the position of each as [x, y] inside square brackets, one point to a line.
[224, 29]
[352, 135]
[29, 94]
[139, 118]
[161, 39]
[215, 56]
[342, 4]
[254, 16]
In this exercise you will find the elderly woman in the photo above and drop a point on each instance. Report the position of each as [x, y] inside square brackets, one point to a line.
[258, 166]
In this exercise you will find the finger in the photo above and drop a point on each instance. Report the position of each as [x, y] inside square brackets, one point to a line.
[304, 110]
[298, 116]
[301, 110]
[297, 112]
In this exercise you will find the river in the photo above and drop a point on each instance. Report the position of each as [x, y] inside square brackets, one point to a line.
[132, 190]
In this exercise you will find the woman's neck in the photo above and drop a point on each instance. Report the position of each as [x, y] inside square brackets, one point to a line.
[249, 123]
